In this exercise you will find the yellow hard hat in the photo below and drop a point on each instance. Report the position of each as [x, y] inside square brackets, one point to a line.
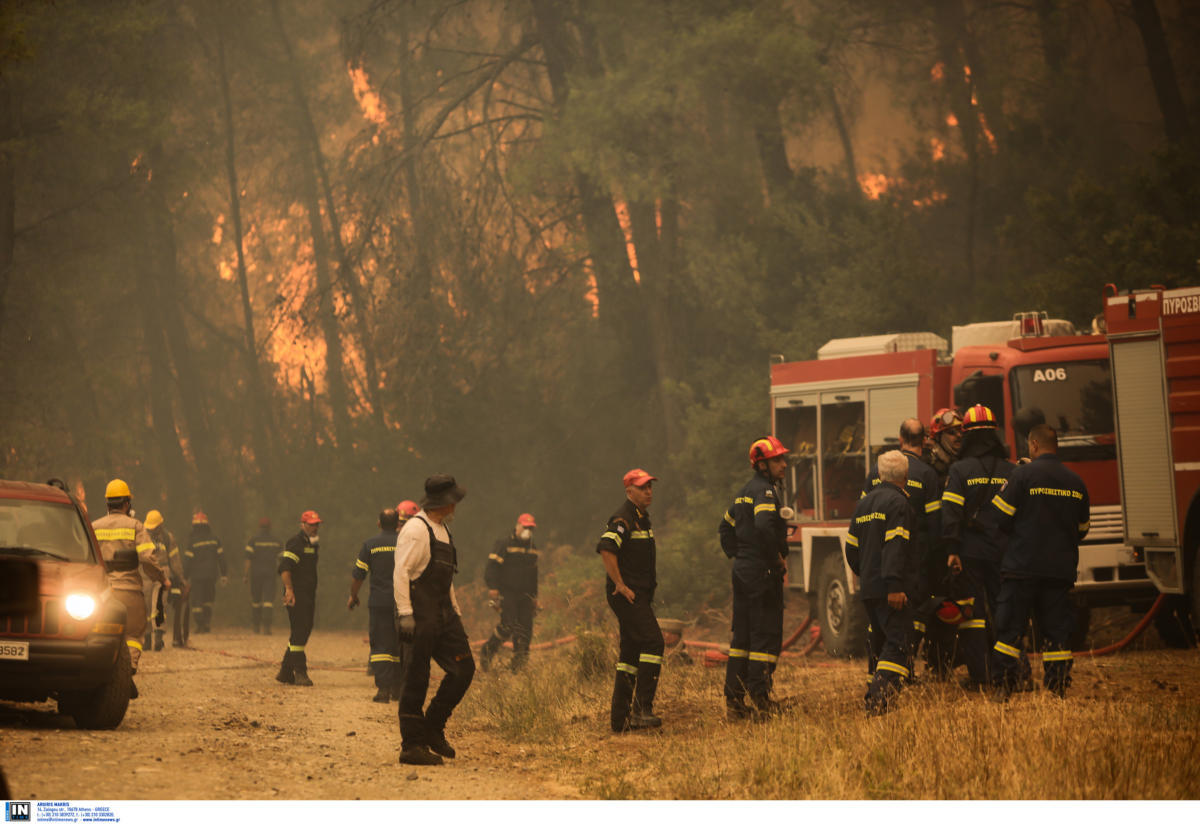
[117, 489]
[154, 519]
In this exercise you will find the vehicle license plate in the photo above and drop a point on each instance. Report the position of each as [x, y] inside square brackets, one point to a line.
[14, 650]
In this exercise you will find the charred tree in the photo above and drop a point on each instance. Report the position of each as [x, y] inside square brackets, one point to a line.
[1162, 72]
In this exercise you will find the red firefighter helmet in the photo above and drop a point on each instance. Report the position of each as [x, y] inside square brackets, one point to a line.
[199, 518]
[943, 420]
[979, 417]
[955, 612]
[526, 519]
[765, 448]
[407, 508]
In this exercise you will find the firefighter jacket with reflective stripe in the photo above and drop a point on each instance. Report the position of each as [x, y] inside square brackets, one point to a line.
[924, 489]
[299, 557]
[753, 528]
[116, 531]
[166, 540]
[262, 551]
[1045, 508]
[377, 557]
[512, 566]
[972, 484]
[204, 559]
[631, 538]
[879, 547]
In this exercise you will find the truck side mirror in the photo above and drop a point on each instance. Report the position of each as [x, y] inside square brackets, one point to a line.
[965, 391]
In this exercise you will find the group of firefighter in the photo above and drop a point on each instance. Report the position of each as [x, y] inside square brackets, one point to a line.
[955, 548]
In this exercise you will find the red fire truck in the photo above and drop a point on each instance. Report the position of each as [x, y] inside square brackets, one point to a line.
[837, 413]
[1154, 346]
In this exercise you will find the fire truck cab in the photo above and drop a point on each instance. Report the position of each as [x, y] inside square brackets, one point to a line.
[839, 412]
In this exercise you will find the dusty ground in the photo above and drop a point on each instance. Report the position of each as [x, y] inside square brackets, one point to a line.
[212, 723]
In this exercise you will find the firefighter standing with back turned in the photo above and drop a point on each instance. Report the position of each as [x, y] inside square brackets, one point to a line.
[123, 538]
[204, 562]
[377, 558]
[512, 580]
[754, 534]
[262, 554]
[154, 592]
[628, 552]
[298, 571]
[428, 615]
[973, 544]
[178, 595]
[879, 550]
[1045, 508]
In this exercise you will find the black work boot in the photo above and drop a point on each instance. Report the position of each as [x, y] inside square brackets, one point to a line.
[158, 640]
[420, 755]
[622, 698]
[487, 651]
[286, 675]
[438, 742]
[645, 719]
[382, 696]
[302, 679]
[765, 706]
[736, 710]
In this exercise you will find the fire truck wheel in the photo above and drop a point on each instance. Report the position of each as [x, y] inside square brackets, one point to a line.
[1174, 624]
[841, 615]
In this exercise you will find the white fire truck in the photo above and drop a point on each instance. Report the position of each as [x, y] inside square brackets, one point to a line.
[838, 412]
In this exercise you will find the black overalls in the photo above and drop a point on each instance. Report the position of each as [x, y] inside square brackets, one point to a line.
[439, 635]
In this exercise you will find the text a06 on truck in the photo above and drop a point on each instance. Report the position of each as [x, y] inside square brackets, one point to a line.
[1126, 405]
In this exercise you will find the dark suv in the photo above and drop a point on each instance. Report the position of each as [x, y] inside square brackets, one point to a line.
[70, 644]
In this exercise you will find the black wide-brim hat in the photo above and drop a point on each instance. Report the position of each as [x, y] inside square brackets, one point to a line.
[441, 490]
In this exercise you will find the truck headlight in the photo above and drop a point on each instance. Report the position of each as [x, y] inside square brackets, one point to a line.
[80, 607]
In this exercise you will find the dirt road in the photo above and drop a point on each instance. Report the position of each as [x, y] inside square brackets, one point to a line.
[212, 723]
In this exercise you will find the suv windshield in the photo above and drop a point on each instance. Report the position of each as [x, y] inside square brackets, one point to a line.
[41, 529]
[1075, 398]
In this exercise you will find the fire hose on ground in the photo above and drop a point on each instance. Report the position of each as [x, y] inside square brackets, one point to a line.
[715, 653]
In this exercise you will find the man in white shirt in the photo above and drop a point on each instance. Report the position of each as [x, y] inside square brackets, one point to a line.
[428, 615]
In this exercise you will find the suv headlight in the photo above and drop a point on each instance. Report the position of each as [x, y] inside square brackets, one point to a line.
[80, 607]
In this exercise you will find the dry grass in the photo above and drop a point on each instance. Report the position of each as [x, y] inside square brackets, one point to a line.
[1130, 729]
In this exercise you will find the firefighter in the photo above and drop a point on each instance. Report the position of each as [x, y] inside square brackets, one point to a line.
[428, 615]
[377, 557]
[754, 534]
[177, 596]
[973, 544]
[153, 591]
[125, 543]
[1045, 509]
[628, 552]
[298, 572]
[262, 555]
[204, 563]
[512, 580]
[943, 441]
[880, 550]
[924, 489]
[405, 510]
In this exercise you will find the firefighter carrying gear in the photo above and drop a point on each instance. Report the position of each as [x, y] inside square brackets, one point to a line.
[262, 557]
[1045, 508]
[118, 533]
[879, 549]
[203, 562]
[428, 606]
[629, 537]
[377, 558]
[299, 558]
[754, 534]
[512, 570]
[968, 533]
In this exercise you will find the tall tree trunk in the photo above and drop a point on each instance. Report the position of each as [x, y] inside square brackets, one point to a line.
[335, 378]
[213, 480]
[8, 198]
[843, 130]
[346, 275]
[606, 240]
[1162, 72]
[260, 414]
[949, 26]
[1052, 30]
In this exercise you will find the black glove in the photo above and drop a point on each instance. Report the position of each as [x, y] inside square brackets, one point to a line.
[406, 627]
